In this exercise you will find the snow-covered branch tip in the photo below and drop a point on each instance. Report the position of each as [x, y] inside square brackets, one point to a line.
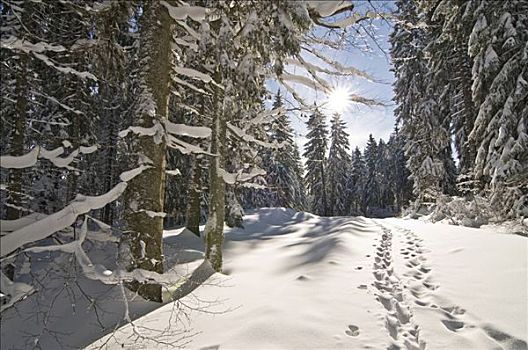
[30, 159]
[242, 135]
[241, 177]
[168, 128]
[319, 10]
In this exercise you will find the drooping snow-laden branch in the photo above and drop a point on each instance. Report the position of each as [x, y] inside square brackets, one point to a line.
[336, 68]
[240, 176]
[314, 82]
[319, 10]
[196, 13]
[185, 283]
[242, 135]
[304, 105]
[170, 130]
[60, 220]
[266, 116]
[38, 51]
[30, 159]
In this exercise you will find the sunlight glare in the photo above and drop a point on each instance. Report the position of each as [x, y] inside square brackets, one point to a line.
[339, 99]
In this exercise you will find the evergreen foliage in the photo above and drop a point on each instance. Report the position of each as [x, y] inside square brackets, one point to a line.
[316, 163]
[338, 168]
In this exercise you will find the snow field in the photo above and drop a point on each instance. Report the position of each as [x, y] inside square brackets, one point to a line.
[296, 281]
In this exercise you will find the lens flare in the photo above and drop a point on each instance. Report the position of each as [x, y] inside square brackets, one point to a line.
[339, 99]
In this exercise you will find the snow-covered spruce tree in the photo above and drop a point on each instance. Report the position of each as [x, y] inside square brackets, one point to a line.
[300, 196]
[372, 188]
[282, 168]
[338, 166]
[440, 83]
[144, 198]
[315, 154]
[399, 174]
[112, 99]
[383, 174]
[498, 45]
[418, 110]
[357, 184]
[451, 23]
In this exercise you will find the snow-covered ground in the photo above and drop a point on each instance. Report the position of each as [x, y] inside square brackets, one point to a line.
[296, 281]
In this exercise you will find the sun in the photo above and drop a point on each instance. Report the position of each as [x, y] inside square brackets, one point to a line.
[338, 99]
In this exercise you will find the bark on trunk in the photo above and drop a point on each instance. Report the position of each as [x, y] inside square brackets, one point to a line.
[323, 179]
[193, 206]
[145, 192]
[214, 228]
[14, 186]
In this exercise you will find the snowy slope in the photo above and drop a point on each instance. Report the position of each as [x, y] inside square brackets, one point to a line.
[296, 281]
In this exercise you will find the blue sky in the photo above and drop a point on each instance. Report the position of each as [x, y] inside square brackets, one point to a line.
[361, 120]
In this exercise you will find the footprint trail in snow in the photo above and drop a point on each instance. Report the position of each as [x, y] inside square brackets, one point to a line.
[417, 289]
[390, 293]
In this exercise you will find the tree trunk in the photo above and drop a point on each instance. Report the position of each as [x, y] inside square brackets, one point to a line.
[14, 186]
[145, 193]
[323, 179]
[214, 228]
[464, 64]
[193, 205]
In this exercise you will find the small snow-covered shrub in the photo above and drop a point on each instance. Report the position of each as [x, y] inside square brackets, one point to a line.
[418, 209]
[463, 211]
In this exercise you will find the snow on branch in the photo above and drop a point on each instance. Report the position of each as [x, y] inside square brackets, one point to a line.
[154, 130]
[15, 290]
[170, 131]
[178, 13]
[30, 159]
[13, 225]
[312, 83]
[37, 50]
[293, 92]
[232, 178]
[60, 220]
[184, 147]
[324, 9]
[242, 135]
[328, 8]
[192, 73]
[267, 116]
[187, 130]
[365, 101]
[100, 273]
[16, 44]
[48, 62]
[170, 128]
[337, 69]
[355, 18]
[54, 100]
[189, 85]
